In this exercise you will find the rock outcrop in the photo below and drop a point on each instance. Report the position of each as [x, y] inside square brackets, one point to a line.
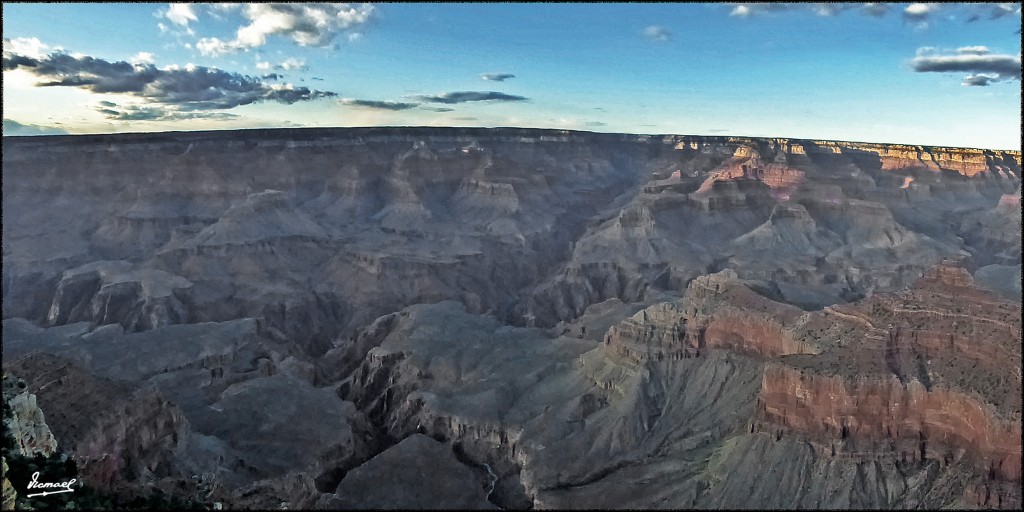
[26, 425]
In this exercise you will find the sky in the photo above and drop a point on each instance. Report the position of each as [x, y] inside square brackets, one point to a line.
[910, 73]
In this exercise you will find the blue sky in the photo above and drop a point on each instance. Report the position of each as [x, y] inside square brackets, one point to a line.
[935, 74]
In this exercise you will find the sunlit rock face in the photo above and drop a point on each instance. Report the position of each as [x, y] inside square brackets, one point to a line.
[273, 318]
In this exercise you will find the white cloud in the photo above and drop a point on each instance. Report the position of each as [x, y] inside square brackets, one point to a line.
[27, 46]
[214, 47]
[180, 14]
[292, 63]
[920, 10]
[289, 64]
[304, 24]
[657, 33]
[740, 10]
[142, 58]
[920, 13]
[973, 50]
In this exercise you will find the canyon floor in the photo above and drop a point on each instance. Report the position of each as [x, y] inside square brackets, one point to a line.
[516, 318]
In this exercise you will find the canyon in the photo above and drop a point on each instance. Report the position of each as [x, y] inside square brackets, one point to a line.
[517, 318]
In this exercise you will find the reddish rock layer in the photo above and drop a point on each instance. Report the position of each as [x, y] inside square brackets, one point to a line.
[938, 421]
[930, 373]
[719, 312]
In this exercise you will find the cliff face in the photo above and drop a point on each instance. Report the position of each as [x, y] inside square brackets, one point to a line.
[581, 320]
[885, 416]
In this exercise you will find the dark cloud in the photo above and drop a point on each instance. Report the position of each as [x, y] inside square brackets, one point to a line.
[1007, 65]
[497, 77]
[317, 78]
[144, 113]
[272, 76]
[12, 61]
[981, 80]
[108, 103]
[12, 127]
[595, 123]
[438, 109]
[466, 96]
[378, 105]
[984, 67]
[464, 118]
[188, 88]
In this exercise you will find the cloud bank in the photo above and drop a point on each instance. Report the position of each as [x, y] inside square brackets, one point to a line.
[378, 105]
[12, 127]
[467, 96]
[171, 89]
[984, 67]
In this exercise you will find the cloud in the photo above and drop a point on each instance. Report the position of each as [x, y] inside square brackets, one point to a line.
[28, 46]
[973, 50]
[189, 88]
[595, 123]
[438, 109]
[148, 113]
[292, 63]
[875, 9]
[979, 80]
[747, 10]
[466, 96]
[142, 58]
[983, 67]
[497, 77]
[305, 24]
[289, 64]
[920, 13]
[12, 127]
[180, 14]
[819, 8]
[657, 33]
[378, 105]
[1003, 9]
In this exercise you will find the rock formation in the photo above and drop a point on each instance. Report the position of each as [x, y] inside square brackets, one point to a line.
[518, 318]
[26, 424]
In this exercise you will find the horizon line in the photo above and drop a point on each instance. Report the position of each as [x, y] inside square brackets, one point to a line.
[495, 128]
